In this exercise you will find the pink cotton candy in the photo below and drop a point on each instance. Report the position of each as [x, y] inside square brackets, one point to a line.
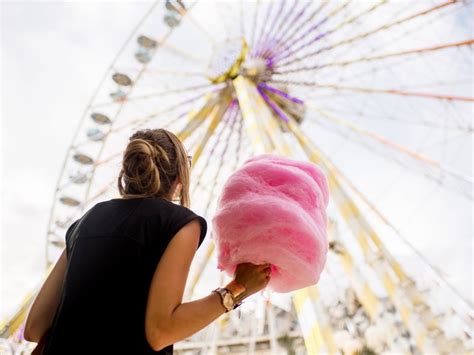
[273, 209]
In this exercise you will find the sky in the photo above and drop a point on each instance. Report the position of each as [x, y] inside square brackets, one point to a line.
[53, 55]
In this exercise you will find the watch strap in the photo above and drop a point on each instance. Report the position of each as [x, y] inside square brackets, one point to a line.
[238, 291]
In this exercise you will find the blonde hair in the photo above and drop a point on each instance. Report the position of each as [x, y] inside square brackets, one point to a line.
[152, 161]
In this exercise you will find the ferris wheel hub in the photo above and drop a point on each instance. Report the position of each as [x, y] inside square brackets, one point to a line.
[256, 69]
[227, 59]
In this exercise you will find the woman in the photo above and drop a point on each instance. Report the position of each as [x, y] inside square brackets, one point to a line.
[117, 288]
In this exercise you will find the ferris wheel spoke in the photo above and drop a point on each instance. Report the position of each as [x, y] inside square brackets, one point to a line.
[312, 321]
[216, 181]
[183, 53]
[420, 25]
[280, 93]
[266, 21]
[224, 20]
[284, 27]
[286, 53]
[286, 50]
[217, 141]
[379, 91]
[200, 270]
[273, 56]
[206, 86]
[428, 124]
[169, 71]
[296, 29]
[432, 85]
[431, 168]
[107, 159]
[239, 146]
[186, 13]
[218, 111]
[468, 42]
[254, 26]
[456, 123]
[462, 126]
[154, 115]
[370, 302]
[262, 40]
[166, 45]
[363, 74]
[382, 66]
[402, 93]
[166, 121]
[197, 118]
[384, 141]
[172, 91]
[364, 35]
[172, 72]
[102, 191]
[260, 46]
[445, 140]
[242, 17]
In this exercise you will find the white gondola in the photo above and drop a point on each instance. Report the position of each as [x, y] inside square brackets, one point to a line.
[69, 201]
[78, 177]
[95, 134]
[122, 79]
[118, 95]
[100, 118]
[83, 159]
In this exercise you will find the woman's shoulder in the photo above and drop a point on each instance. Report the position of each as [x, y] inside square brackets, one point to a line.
[172, 216]
[152, 207]
[159, 206]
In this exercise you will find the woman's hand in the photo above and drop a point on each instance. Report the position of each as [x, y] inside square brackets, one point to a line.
[253, 277]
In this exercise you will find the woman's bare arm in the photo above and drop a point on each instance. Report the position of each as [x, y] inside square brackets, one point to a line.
[168, 320]
[41, 313]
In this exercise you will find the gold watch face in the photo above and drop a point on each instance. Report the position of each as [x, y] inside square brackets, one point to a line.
[228, 301]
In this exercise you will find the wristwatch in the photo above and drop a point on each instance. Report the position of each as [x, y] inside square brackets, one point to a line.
[227, 299]
[231, 295]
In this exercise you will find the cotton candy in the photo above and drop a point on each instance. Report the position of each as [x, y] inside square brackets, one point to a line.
[273, 209]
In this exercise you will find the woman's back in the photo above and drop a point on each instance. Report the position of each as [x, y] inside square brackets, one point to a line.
[112, 253]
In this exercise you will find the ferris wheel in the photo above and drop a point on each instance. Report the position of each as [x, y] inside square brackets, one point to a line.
[378, 86]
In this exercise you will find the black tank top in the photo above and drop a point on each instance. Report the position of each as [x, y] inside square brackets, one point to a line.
[112, 254]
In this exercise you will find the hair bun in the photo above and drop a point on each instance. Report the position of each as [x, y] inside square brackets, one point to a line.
[152, 161]
[142, 146]
[140, 170]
